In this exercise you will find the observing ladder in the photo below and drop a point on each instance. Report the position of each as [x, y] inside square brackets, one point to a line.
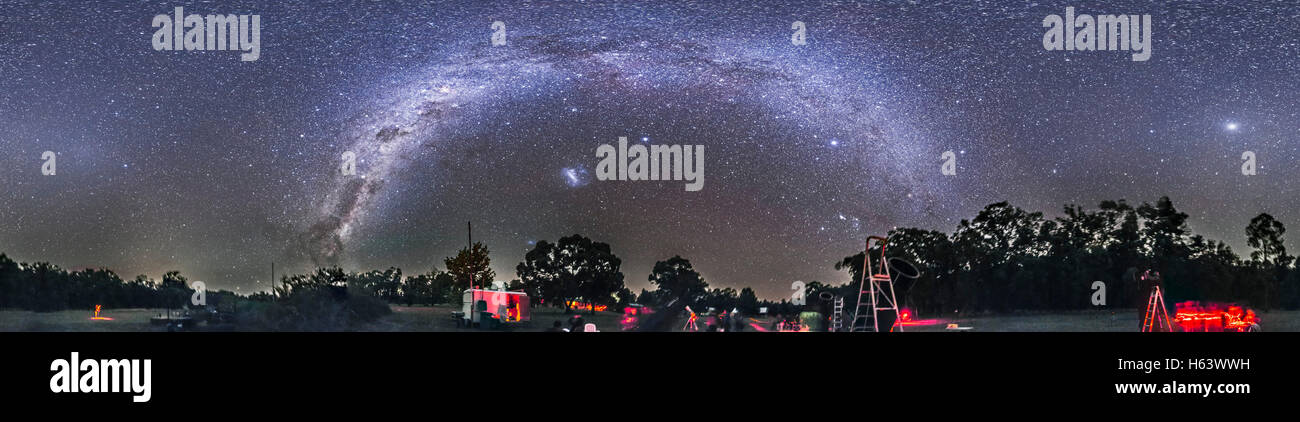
[882, 298]
[837, 318]
[1156, 313]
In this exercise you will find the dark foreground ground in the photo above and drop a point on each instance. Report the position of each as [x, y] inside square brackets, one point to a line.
[438, 318]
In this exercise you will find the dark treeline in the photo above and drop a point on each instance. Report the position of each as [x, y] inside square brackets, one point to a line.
[327, 299]
[1004, 259]
[1007, 259]
[46, 287]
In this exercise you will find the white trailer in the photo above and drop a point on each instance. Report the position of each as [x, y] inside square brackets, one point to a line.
[503, 306]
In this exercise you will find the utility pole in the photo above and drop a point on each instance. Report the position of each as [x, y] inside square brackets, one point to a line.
[473, 300]
[470, 231]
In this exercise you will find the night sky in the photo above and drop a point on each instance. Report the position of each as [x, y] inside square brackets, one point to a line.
[201, 162]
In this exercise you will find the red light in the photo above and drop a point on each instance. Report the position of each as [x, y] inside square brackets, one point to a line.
[586, 306]
[99, 318]
[905, 318]
[1213, 317]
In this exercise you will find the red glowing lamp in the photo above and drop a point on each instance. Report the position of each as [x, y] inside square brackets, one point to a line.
[99, 318]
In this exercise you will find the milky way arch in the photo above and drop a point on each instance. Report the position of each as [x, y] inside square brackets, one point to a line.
[440, 102]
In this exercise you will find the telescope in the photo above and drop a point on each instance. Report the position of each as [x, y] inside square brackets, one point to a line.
[900, 267]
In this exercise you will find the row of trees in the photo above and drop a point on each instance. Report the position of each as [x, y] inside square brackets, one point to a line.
[578, 269]
[46, 287]
[1009, 259]
[1003, 259]
[574, 269]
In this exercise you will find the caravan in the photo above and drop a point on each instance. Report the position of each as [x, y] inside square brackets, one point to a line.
[492, 306]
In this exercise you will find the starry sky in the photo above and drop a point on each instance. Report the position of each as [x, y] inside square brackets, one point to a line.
[200, 162]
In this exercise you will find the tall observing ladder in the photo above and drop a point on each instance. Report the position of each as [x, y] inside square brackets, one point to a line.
[880, 288]
[1156, 313]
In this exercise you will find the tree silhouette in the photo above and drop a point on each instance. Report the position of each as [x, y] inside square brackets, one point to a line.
[679, 280]
[747, 301]
[383, 284]
[471, 264]
[574, 268]
[1265, 235]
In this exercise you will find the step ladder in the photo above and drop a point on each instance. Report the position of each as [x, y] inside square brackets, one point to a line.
[880, 287]
[1156, 313]
[837, 318]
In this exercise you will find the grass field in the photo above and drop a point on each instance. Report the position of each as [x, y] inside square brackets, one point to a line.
[403, 318]
[122, 320]
[438, 318]
[1088, 321]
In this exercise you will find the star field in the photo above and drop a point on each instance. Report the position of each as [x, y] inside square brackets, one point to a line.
[199, 162]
